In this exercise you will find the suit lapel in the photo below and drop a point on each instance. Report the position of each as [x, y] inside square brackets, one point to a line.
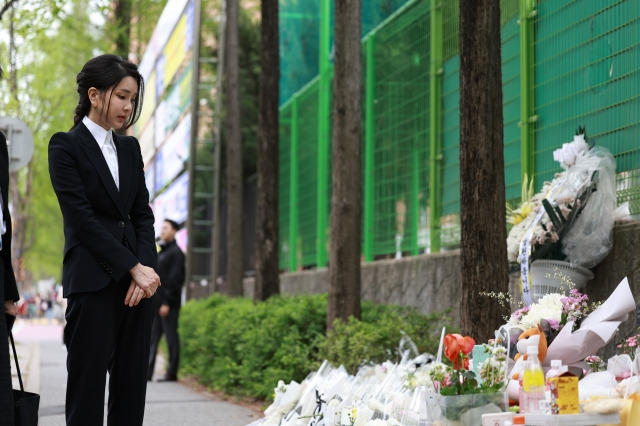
[91, 148]
[125, 166]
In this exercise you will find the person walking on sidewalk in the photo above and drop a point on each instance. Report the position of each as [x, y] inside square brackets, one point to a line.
[8, 287]
[108, 274]
[168, 299]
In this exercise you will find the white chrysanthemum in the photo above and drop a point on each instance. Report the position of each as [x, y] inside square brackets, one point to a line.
[549, 307]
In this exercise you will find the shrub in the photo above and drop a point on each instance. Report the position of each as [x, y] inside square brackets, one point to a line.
[377, 337]
[242, 348]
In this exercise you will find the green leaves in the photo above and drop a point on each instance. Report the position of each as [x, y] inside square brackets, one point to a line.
[242, 348]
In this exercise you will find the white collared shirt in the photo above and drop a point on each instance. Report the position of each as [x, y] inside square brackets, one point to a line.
[107, 147]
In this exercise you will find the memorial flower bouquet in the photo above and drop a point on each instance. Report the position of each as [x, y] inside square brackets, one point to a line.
[458, 378]
[571, 218]
[457, 391]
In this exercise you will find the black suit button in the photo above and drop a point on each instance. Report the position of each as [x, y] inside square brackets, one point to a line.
[121, 224]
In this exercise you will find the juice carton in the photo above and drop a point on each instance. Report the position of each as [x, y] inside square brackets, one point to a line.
[564, 394]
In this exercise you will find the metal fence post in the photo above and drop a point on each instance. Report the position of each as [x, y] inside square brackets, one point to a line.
[369, 146]
[435, 120]
[527, 89]
[293, 187]
[324, 115]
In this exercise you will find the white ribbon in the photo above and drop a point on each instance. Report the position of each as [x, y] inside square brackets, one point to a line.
[525, 249]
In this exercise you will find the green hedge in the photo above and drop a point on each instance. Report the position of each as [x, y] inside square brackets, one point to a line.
[242, 348]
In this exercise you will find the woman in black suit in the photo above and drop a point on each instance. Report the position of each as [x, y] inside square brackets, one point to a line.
[7, 287]
[110, 255]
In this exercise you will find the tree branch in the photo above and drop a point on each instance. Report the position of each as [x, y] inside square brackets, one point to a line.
[6, 7]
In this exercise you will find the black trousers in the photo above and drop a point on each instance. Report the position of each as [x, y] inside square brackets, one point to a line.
[103, 335]
[168, 326]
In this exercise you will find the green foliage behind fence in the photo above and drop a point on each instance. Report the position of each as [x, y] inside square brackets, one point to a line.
[565, 63]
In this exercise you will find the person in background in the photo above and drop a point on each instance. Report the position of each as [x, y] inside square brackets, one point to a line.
[168, 300]
[108, 274]
[8, 287]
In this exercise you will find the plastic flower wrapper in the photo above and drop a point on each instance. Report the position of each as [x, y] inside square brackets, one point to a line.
[595, 331]
[628, 386]
[590, 238]
[284, 401]
[414, 409]
[315, 384]
[600, 384]
[622, 366]
[381, 422]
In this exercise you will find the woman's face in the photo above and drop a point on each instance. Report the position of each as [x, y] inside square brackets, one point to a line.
[112, 109]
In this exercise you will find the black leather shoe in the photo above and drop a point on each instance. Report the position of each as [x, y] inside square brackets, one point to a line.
[168, 378]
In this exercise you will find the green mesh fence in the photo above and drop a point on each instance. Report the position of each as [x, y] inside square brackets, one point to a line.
[450, 133]
[300, 35]
[307, 156]
[585, 71]
[510, 36]
[587, 74]
[284, 187]
[401, 142]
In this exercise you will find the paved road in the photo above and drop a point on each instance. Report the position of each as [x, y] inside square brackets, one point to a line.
[43, 357]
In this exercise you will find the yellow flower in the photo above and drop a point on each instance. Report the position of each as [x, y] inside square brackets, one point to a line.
[515, 216]
[520, 214]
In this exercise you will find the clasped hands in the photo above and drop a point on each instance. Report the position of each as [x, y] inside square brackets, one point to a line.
[144, 283]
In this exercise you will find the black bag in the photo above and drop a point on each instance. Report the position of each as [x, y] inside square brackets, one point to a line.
[25, 404]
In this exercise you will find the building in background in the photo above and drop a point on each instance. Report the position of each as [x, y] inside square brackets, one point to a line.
[169, 134]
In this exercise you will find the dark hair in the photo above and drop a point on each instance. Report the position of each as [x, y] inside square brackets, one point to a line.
[105, 72]
[173, 224]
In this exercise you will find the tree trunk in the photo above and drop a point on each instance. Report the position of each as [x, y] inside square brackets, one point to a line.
[483, 253]
[346, 196]
[267, 281]
[122, 12]
[234, 156]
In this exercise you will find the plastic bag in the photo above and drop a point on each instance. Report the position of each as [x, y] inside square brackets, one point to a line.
[590, 238]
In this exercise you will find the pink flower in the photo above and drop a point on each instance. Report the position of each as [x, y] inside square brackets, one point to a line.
[555, 324]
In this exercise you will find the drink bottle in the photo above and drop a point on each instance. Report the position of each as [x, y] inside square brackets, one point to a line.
[533, 382]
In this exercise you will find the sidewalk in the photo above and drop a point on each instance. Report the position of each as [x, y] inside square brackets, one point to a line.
[42, 358]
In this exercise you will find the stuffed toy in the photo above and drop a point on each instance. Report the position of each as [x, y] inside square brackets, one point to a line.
[531, 337]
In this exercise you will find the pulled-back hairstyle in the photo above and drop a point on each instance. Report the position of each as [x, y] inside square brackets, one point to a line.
[105, 72]
[173, 224]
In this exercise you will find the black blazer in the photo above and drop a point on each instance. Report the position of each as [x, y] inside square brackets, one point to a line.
[10, 287]
[107, 232]
[171, 273]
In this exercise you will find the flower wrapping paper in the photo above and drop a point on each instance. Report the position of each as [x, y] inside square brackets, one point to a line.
[596, 329]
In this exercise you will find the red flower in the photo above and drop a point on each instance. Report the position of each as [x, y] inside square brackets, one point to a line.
[457, 347]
